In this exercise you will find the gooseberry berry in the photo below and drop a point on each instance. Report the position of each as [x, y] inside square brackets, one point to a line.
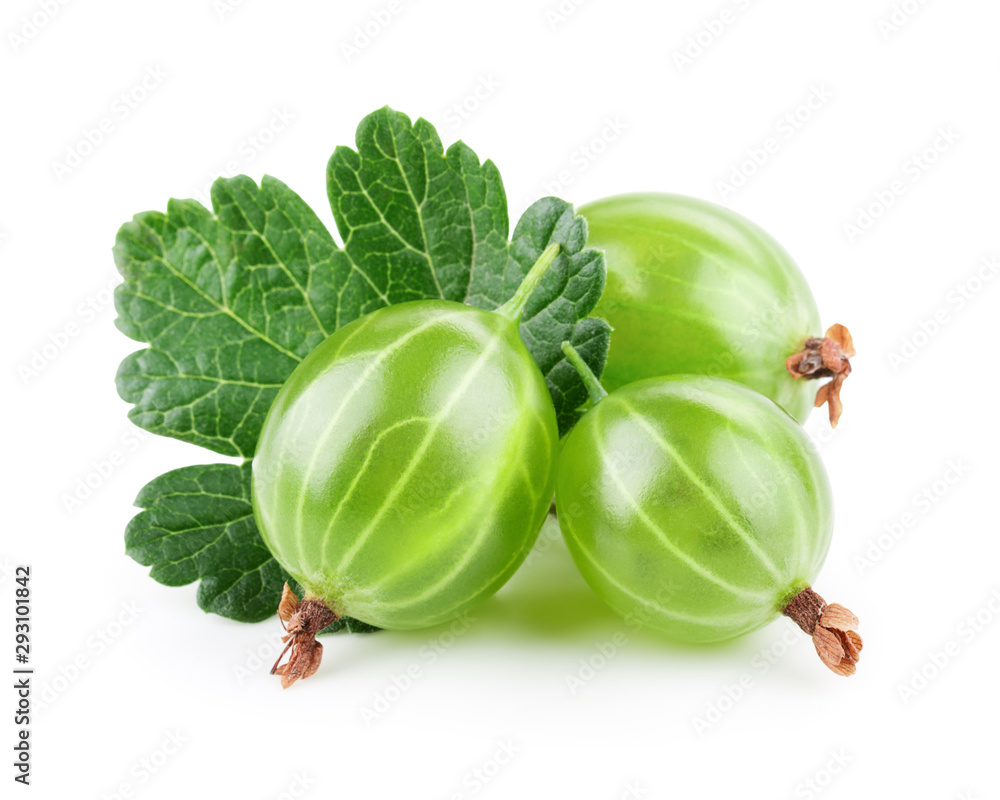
[696, 506]
[696, 288]
[405, 468]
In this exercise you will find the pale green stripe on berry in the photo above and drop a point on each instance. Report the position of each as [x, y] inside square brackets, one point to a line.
[708, 256]
[713, 621]
[660, 534]
[711, 496]
[328, 541]
[480, 540]
[795, 504]
[345, 402]
[414, 462]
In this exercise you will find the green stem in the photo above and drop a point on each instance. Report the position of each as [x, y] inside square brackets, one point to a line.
[514, 308]
[594, 388]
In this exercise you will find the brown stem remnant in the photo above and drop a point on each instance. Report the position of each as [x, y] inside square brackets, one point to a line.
[302, 620]
[827, 357]
[833, 628]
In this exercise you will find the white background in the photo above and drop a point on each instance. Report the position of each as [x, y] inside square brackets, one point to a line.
[561, 87]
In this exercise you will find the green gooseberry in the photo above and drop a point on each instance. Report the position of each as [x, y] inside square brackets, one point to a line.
[696, 506]
[694, 288]
[406, 467]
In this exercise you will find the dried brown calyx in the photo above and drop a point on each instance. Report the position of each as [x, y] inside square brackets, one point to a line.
[833, 628]
[828, 357]
[302, 620]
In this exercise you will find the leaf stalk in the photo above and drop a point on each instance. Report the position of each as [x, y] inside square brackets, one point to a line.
[514, 308]
[594, 388]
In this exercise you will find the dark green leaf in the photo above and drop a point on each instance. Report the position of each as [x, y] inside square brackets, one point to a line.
[229, 303]
[230, 300]
[197, 524]
[557, 310]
